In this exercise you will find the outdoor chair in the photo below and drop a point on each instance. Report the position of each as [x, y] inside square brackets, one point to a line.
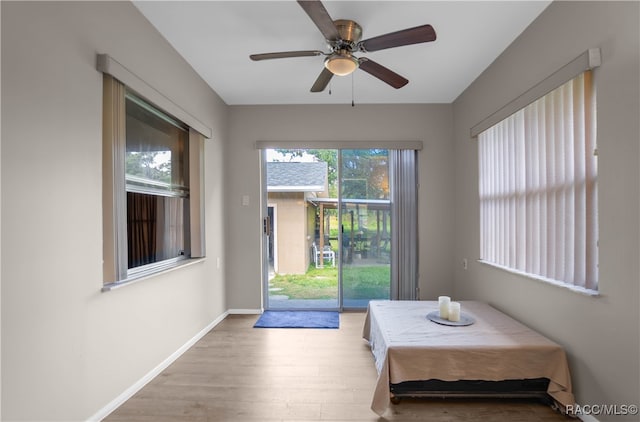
[320, 256]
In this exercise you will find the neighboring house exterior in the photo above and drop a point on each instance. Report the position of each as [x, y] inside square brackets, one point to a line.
[290, 185]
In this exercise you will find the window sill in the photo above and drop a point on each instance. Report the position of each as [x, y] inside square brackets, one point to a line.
[141, 277]
[556, 283]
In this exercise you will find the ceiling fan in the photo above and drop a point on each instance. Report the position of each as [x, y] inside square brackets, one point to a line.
[343, 37]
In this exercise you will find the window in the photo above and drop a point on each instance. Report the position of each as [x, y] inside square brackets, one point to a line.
[538, 191]
[152, 179]
[156, 174]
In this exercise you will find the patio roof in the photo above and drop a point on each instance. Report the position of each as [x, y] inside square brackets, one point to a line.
[374, 204]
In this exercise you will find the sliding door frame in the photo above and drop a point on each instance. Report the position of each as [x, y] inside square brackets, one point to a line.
[263, 146]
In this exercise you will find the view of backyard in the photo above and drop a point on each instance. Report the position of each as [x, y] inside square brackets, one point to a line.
[334, 205]
[368, 282]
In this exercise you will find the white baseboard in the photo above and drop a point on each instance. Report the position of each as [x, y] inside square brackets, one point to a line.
[244, 311]
[587, 418]
[129, 392]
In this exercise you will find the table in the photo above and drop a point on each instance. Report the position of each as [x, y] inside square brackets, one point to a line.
[409, 347]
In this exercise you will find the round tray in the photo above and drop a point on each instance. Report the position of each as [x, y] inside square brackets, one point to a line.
[464, 319]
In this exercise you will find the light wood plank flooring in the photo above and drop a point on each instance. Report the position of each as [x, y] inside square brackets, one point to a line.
[240, 373]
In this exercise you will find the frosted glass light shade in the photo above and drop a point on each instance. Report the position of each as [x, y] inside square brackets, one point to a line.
[341, 65]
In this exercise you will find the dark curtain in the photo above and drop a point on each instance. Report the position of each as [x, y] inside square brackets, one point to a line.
[142, 218]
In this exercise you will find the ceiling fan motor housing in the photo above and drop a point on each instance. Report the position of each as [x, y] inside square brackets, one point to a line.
[350, 33]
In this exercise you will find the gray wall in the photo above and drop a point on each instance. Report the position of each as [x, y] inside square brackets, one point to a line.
[428, 123]
[600, 333]
[67, 348]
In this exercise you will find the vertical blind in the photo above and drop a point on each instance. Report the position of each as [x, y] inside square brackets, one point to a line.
[537, 187]
[404, 224]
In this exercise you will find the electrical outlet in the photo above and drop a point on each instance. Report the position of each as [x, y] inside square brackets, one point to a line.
[464, 263]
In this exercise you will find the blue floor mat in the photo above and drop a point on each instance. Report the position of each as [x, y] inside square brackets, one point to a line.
[298, 319]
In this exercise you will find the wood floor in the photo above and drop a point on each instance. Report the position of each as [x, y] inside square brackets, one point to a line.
[240, 373]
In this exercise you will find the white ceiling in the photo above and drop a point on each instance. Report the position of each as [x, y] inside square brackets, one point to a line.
[217, 37]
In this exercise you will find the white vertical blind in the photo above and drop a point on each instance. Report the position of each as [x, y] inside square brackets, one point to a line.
[537, 185]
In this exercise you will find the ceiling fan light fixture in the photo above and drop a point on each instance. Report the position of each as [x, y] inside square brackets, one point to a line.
[341, 64]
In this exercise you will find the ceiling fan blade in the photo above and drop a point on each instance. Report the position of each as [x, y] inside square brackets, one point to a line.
[285, 54]
[417, 35]
[323, 80]
[320, 17]
[382, 73]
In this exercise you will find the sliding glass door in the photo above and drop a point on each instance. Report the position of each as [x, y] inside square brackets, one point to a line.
[328, 228]
[302, 232]
[365, 216]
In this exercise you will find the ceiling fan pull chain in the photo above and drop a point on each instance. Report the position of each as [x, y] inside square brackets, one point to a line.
[353, 104]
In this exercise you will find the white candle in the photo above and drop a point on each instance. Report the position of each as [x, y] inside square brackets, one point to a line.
[454, 311]
[443, 303]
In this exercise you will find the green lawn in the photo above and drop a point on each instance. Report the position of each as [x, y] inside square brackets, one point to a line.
[361, 282]
[366, 282]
